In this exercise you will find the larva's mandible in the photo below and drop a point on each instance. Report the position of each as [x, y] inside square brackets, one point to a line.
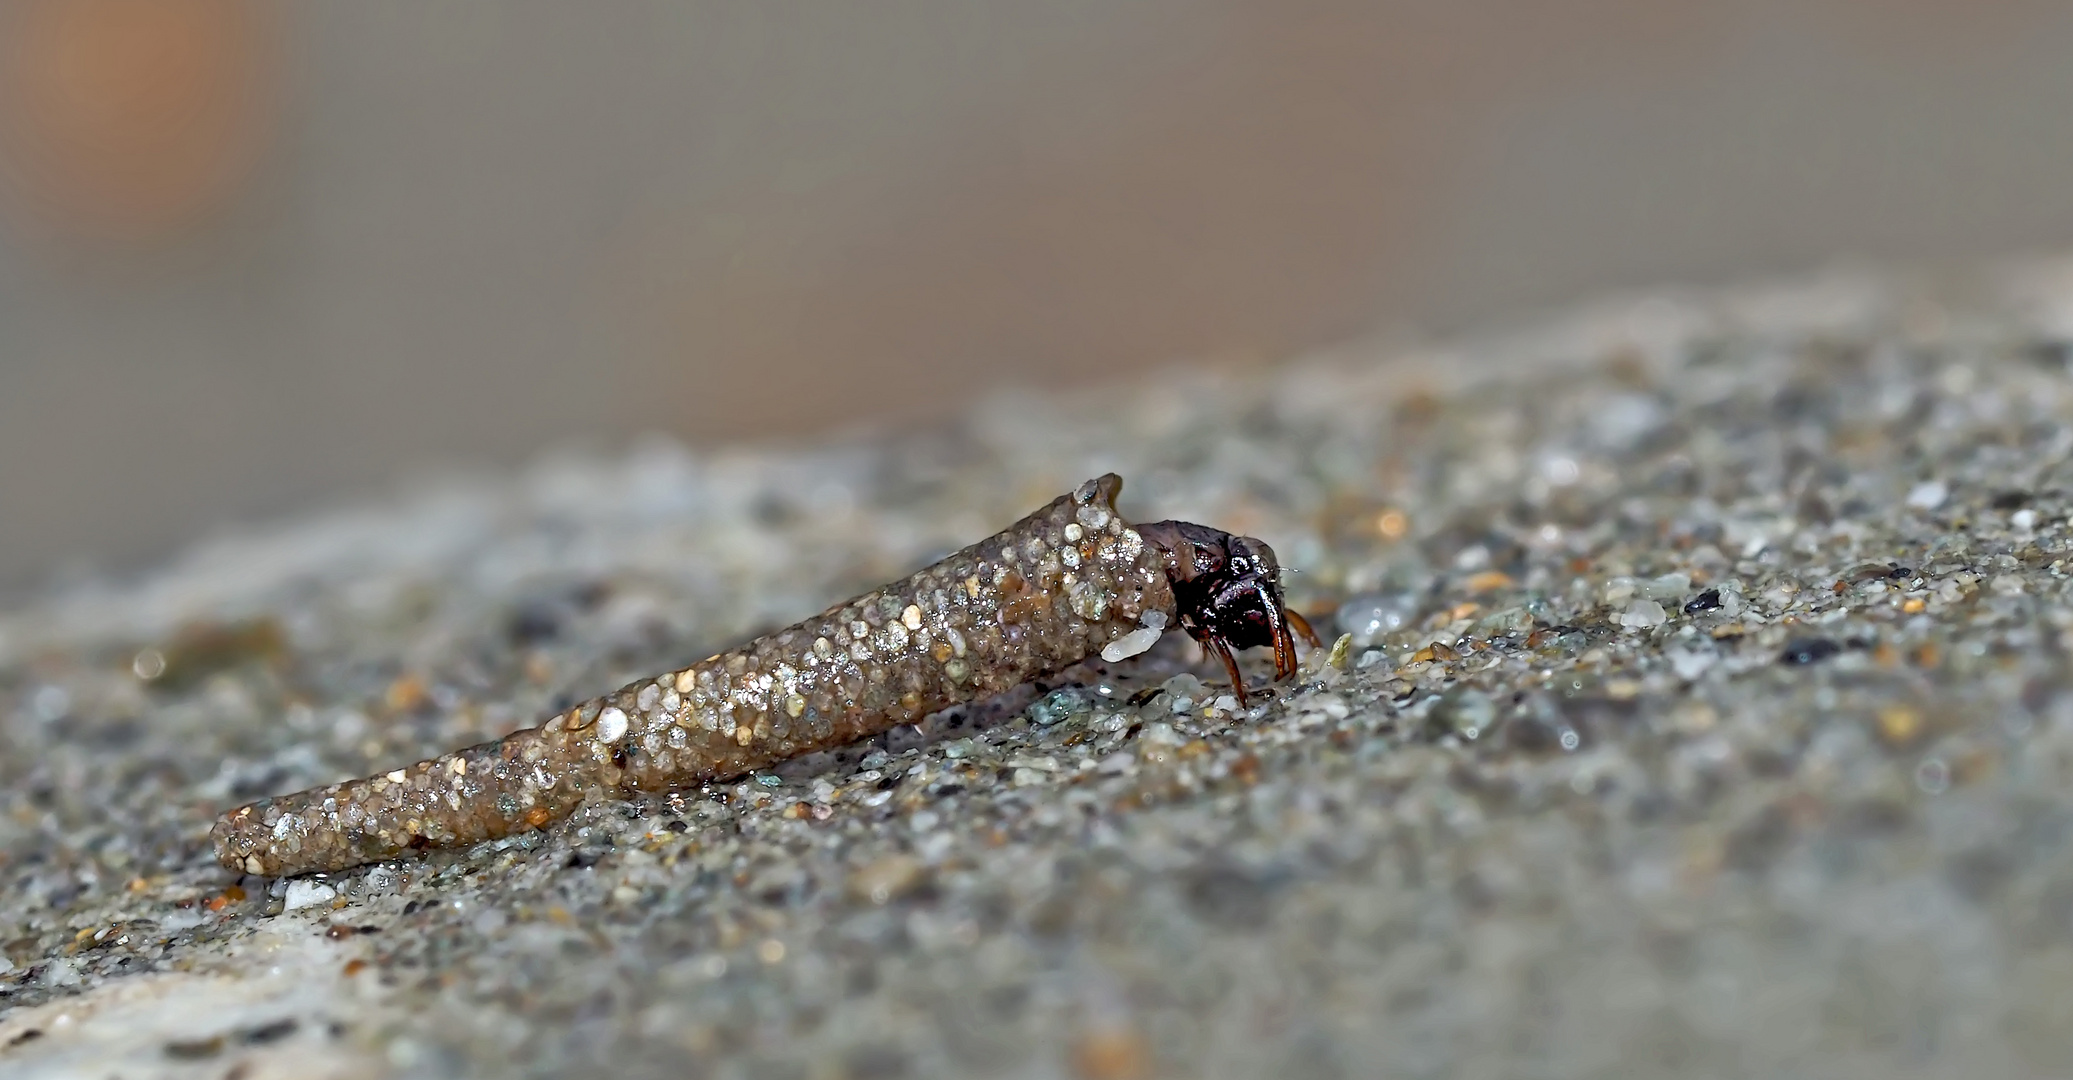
[1068, 581]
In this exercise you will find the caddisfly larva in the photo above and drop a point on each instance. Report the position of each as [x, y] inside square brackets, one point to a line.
[1069, 581]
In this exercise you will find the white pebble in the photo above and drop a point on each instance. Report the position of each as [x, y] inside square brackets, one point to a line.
[1625, 419]
[1131, 644]
[1668, 587]
[1689, 663]
[302, 894]
[1643, 614]
[1928, 495]
[611, 724]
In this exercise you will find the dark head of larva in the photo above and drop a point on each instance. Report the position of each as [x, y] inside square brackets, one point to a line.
[1227, 593]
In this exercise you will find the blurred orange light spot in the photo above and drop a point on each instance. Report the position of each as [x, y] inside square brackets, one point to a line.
[127, 119]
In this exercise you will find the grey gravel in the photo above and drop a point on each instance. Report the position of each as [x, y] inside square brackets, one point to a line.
[1694, 703]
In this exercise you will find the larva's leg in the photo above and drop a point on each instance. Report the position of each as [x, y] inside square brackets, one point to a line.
[1284, 652]
[1285, 663]
[1223, 652]
[1302, 626]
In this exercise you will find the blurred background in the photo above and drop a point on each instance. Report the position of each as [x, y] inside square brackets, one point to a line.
[254, 256]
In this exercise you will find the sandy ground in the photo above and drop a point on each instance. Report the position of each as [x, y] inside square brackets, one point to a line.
[1695, 705]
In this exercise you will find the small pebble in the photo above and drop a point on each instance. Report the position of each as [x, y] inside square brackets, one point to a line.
[304, 893]
[1705, 601]
[1643, 615]
[1808, 650]
[1666, 587]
